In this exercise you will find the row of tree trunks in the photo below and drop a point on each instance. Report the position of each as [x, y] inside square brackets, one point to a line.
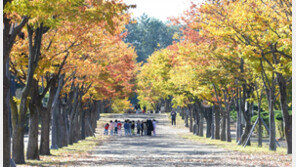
[19, 117]
[71, 122]
[218, 120]
[245, 108]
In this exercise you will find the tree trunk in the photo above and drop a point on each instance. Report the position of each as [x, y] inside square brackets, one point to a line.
[195, 128]
[10, 31]
[287, 119]
[228, 136]
[72, 116]
[102, 105]
[94, 112]
[200, 123]
[246, 108]
[64, 133]
[35, 106]
[17, 134]
[272, 144]
[76, 125]
[45, 124]
[213, 123]
[76, 132]
[259, 97]
[223, 128]
[239, 113]
[247, 130]
[45, 130]
[32, 150]
[248, 125]
[209, 118]
[217, 123]
[6, 117]
[82, 124]
[190, 119]
[259, 126]
[54, 126]
[187, 112]
[18, 144]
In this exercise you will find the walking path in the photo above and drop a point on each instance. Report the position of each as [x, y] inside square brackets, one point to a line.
[167, 149]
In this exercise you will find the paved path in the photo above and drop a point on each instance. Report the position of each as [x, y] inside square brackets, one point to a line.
[165, 149]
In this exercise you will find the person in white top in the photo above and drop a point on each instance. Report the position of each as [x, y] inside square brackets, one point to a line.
[154, 127]
[111, 127]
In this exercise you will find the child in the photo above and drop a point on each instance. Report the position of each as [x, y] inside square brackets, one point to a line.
[138, 127]
[125, 127]
[106, 129]
[133, 127]
[111, 128]
[154, 127]
[119, 128]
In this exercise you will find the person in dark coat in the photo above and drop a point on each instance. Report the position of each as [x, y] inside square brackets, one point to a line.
[173, 117]
[149, 127]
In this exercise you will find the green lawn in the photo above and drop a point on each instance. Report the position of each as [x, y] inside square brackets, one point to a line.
[72, 154]
[229, 145]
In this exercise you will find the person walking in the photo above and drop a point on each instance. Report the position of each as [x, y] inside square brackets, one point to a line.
[142, 128]
[115, 127]
[106, 129]
[125, 128]
[119, 128]
[173, 117]
[154, 127]
[111, 127]
[138, 125]
[149, 127]
[145, 127]
[133, 128]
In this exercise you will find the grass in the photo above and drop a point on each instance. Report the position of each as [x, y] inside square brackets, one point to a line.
[253, 149]
[72, 154]
[105, 114]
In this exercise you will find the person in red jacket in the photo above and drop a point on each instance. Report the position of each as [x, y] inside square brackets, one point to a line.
[106, 129]
[119, 125]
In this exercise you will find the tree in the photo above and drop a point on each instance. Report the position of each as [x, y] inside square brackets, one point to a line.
[148, 35]
[44, 16]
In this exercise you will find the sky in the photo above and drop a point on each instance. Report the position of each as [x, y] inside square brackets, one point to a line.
[160, 9]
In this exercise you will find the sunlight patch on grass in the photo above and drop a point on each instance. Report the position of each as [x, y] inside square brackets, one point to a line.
[105, 114]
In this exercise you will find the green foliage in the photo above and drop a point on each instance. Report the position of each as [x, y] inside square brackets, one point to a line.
[278, 122]
[148, 35]
[233, 115]
[119, 105]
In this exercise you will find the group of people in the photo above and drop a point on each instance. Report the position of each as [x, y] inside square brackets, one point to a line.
[131, 128]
